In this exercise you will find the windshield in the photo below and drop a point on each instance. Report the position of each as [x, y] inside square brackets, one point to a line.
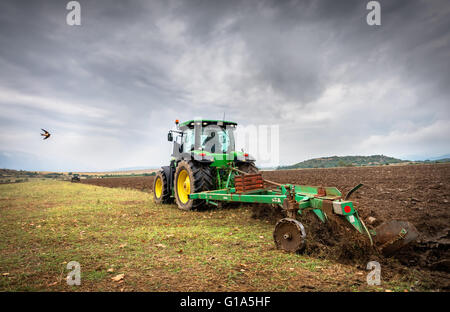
[188, 140]
[217, 139]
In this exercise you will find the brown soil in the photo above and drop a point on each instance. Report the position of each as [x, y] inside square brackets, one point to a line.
[140, 183]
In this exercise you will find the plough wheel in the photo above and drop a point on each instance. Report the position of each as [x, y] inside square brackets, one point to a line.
[289, 235]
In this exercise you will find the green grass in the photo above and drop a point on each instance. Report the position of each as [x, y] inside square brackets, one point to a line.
[46, 224]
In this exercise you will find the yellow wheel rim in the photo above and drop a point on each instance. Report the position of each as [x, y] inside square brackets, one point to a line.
[158, 187]
[183, 186]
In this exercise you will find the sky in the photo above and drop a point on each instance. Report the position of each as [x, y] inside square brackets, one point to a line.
[109, 89]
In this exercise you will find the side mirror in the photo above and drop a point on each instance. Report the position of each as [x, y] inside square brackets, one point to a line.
[170, 137]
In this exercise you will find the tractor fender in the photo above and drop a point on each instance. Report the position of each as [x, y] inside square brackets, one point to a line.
[186, 156]
[239, 162]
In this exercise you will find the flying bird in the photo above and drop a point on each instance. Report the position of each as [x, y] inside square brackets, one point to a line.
[46, 134]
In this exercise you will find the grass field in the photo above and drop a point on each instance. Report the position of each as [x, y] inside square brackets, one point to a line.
[46, 224]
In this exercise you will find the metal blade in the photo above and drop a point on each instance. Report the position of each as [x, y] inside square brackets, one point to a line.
[393, 235]
[352, 191]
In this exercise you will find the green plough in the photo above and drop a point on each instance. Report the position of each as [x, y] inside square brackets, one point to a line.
[325, 202]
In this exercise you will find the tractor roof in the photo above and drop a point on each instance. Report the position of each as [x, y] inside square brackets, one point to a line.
[190, 123]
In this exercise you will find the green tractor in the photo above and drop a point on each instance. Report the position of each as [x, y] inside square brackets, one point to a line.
[203, 151]
[206, 170]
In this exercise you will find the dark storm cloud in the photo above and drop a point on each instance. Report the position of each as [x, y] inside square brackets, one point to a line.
[314, 67]
[296, 47]
[289, 44]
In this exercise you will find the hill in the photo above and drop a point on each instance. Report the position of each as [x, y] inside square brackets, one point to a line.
[440, 158]
[345, 161]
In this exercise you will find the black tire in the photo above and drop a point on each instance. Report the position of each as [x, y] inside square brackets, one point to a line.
[201, 179]
[248, 167]
[164, 198]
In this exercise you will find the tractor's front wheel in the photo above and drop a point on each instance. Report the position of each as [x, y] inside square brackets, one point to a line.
[161, 194]
[191, 177]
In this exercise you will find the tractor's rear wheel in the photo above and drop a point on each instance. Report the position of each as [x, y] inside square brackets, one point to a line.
[192, 177]
[161, 194]
[248, 167]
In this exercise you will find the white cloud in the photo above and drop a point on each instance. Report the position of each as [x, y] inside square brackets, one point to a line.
[54, 105]
[430, 140]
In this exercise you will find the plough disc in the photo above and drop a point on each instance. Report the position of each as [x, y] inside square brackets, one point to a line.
[289, 235]
[393, 235]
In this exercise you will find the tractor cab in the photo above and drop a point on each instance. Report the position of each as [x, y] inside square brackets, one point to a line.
[205, 140]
